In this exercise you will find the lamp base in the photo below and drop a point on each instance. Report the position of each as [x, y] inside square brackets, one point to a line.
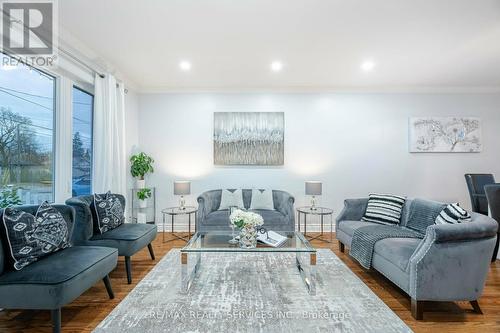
[313, 203]
[182, 203]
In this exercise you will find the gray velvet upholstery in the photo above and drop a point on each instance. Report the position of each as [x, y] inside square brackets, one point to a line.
[57, 279]
[128, 238]
[450, 264]
[475, 184]
[209, 218]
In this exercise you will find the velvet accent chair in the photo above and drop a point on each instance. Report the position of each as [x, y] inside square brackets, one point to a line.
[128, 238]
[56, 279]
[475, 184]
[493, 195]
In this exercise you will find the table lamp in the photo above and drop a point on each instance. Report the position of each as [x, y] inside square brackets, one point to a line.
[313, 188]
[182, 188]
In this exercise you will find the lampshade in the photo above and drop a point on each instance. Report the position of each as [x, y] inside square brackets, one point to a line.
[182, 187]
[313, 188]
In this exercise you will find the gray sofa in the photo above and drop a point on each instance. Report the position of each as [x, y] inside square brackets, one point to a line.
[449, 264]
[128, 238]
[57, 279]
[209, 218]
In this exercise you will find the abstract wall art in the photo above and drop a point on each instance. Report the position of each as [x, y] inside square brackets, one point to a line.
[445, 134]
[249, 138]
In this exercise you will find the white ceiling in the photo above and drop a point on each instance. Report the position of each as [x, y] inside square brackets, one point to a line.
[431, 44]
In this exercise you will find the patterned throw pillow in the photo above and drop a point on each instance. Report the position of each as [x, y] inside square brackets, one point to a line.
[108, 211]
[33, 237]
[452, 214]
[384, 208]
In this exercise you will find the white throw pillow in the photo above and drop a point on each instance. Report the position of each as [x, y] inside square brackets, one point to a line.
[231, 199]
[262, 199]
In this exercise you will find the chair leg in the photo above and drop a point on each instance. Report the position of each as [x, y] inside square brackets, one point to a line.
[128, 269]
[495, 251]
[107, 283]
[56, 320]
[417, 309]
[342, 247]
[475, 306]
[151, 252]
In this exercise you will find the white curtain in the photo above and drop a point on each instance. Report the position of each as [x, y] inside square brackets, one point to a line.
[109, 136]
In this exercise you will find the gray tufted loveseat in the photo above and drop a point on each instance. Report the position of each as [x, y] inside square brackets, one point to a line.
[209, 218]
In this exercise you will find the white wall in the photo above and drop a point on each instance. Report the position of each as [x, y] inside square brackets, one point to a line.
[354, 143]
[131, 136]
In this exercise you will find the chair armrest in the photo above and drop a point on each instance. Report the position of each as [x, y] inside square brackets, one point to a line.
[452, 261]
[83, 225]
[353, 210]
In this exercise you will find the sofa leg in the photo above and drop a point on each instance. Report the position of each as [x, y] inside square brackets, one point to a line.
[151, 252]
[476, 307]
[417, 309]
[342, 247]
[128, 269]
[107, 284]
[56, 320]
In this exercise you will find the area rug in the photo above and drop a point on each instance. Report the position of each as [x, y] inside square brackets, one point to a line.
[252, 293]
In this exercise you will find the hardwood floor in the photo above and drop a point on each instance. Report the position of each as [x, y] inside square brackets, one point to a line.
[87, 311]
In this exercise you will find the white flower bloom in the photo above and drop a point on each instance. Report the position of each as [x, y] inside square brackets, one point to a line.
[239, 217]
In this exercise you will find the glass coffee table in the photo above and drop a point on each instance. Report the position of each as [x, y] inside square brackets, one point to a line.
[205, 242]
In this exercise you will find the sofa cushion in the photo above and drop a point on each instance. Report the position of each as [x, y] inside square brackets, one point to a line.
[384, 208]
[30, 238]
[56, 280]
[128, 238]
[349, 227]
[109, 212]
[58, 267]
[397, 250]
[271, 217]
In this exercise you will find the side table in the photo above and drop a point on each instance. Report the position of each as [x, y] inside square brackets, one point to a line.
[172, 212]
[319, 211]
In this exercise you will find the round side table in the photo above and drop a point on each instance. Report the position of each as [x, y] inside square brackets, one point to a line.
[319, 211]
[172, 212]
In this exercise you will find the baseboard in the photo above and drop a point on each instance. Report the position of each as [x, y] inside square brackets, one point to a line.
[310, 228]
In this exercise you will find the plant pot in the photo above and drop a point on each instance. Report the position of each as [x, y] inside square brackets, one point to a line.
[248, 237]
[141, 218]
[143, 203]
[140, 183]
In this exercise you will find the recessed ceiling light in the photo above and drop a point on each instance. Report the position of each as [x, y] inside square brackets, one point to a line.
[368, 66]
[185, 65]
[276, 66]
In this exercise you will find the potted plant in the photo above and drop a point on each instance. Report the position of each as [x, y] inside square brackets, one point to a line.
[143, 195]
[141, 164]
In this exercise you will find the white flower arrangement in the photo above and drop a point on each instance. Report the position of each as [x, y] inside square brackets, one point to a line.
[242, 219]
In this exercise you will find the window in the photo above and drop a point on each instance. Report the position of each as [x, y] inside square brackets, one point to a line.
[83, 106]
[27, 103]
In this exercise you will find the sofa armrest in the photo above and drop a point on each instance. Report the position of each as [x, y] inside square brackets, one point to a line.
[353, 210]
[452, 261]
[283, 203]
[206, 205]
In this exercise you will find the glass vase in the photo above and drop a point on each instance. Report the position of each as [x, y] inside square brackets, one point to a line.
[248, 237]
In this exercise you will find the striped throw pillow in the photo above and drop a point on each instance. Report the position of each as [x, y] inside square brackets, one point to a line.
[384, 208]
[453, 213]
